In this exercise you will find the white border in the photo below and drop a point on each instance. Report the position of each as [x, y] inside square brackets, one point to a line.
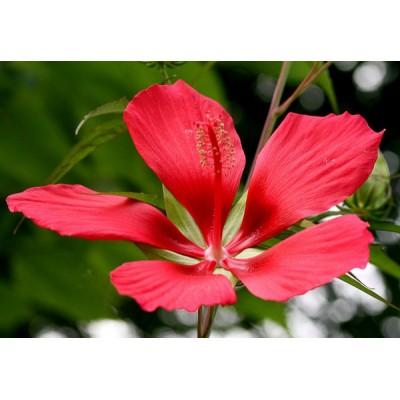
[198, 369]
[199, 30]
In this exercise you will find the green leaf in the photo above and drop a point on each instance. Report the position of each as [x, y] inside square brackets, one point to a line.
[145, 198]
[182, 219]
[234, 219]
[380, 259]
[387, 226]
[257, 310]
[351, 281]
[101, 135]
[115, 107]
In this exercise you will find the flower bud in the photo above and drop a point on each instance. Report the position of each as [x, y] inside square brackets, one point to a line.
[374, 198]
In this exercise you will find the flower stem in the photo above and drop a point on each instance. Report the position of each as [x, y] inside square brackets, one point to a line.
[164, 72]
[199, 321]
[272, 115]
[276, 109]
[307, 81]
[204, 325]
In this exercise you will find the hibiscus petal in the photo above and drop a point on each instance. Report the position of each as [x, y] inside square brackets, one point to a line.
[172, 286]
[306, 260]
[163, 121]
[74, 210]
[309, 165]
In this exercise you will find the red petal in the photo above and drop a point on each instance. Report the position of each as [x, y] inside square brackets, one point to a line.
[309, 165]
[172, 286]
[306, 260]
[74, 210]
[162, 122]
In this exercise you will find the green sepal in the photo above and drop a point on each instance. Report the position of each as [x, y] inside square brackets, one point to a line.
[267, 244]
[234, 219]
[222, 271]
[250, 252]
[182, 219]
[154, 253]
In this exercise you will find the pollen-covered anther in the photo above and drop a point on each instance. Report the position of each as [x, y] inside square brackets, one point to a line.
[214, 145]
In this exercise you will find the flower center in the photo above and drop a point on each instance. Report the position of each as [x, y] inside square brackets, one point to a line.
[216, 254]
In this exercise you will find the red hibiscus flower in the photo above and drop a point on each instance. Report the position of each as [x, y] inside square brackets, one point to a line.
[309, 165]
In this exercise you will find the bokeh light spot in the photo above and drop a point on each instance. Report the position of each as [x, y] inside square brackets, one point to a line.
[369, 76]
[392, 160]
[312, 99]
[345, 66]
[265, 87]
[110, 328]
[391, 327]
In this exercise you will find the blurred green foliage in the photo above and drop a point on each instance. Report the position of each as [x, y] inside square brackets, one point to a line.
[51, 281]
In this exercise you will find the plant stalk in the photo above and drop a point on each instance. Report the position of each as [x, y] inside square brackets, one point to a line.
[307, 81]
[204, 325]
[276, 109]
[271, 116]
